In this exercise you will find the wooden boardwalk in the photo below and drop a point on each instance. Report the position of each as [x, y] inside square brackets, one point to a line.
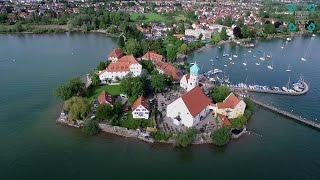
[306, 89]
[299, 119]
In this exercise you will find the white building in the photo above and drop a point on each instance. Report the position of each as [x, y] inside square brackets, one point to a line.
[141, 109]
[231, 107]
[125, 65]
[190, 81]
[206, 34]
[190, 108]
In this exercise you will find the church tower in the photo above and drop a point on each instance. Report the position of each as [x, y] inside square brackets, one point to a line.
[194, 79]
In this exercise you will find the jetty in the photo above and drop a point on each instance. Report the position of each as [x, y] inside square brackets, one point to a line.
[272, 91]
[297, 118]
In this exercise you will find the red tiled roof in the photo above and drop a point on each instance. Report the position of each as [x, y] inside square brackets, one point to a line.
[116, 53]
[178, 35]
[141, 101]
[225, 120]
[105, 97]
[169, 69]
[230, 102]
[153, 56]
[122, 64]
[196, 100]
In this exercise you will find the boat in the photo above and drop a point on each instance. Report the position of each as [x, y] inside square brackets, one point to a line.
[269, 56]
[225, 65]
[303, 59]
[264, 57]
[313, 35]
[254, 56]
[235, 56]
[217, 57]
[238, 42]
[270, 66]
[211, 60]
[285, 89]
[288, 70]
[249, 51]
[289, 39]
[212, 64]
[230, 58]
[258, 64]
[231, 62]
[13, 59]
[215, 71]
[245, 62]
[219, 47]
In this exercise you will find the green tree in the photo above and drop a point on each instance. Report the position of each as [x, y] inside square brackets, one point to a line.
[171, 53]
[183, 48]
[132, 47]
[184, 139]
[200, 37]
[181, 28]
[104, 111]
[101, 66]
[216, 38]
[221, 136]
[269, 29]
[148, 65]
[90, 128]
[121, 42]
[220, 93]
[161, 136]
[85, 27]
[18, 27]
[228, 21]
[223, 34]
[77, 107]
[75, 87]
[158, 81]
[95, 80]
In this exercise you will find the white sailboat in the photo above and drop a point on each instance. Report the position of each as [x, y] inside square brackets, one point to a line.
[231, 62]
[258, 64]
[211, 60]
[230, 58]
[289, 39]
[270, 66]
[245, 62]
[249, 51]
[225, 65]
[289, 69]
[313, 35]
[235, 56]
[254, 56]
[303, 59]
[264, 57]
[269, 56]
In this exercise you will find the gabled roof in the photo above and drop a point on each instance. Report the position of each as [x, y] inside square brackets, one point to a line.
[195, 100]
[105, 97]
[123, 64]
[169, 69]
[152, 56]
[116, 53]
[141, 101]
[225, 120]
[230, 102]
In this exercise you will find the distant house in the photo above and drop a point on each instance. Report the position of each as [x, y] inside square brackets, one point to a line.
[141, 108]
[168, 69]
[191, 108]
[152, 56]
[105, 97]
[189, 38]
[231, 107]
[125, 65]
[115, 55]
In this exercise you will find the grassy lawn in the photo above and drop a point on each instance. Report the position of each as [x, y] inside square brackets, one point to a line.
[131, 123]
[149, 17]
[94, 92]
[180, 17]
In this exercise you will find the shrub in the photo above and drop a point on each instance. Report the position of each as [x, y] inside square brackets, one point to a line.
[160, 135]
[221, 136]
[90, 128]
[184, 139]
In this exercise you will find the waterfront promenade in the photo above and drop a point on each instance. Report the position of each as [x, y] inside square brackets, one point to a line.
[305, 90]
[299, 119]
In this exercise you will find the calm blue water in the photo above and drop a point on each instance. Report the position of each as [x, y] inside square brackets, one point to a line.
[306, 105]
[33, 146]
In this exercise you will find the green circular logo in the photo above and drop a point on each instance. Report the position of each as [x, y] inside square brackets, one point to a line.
[311, 27]
[311, 7]
[292, 27]
[292, 7]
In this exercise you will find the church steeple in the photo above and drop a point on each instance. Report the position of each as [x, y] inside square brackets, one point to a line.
[194, 79]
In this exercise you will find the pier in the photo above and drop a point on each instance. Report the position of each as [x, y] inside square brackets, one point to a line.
[305, 90]
[299, 119]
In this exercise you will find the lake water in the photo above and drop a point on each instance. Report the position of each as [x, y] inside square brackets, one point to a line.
[33, 146]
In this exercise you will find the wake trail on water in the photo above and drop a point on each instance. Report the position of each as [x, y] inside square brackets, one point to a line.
[4, 60]
[255, 133]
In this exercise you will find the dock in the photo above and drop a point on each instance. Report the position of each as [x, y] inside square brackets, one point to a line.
[305, 90]
[297, 118]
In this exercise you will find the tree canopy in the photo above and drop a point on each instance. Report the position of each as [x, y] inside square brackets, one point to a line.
[77, 107]
[158, 81]
[90, 128]
[132, 86]
[132, 46]
[220, 93]
[95, 80]
[184, 139]
[221, 137]
[104, 111]
[75, 87]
